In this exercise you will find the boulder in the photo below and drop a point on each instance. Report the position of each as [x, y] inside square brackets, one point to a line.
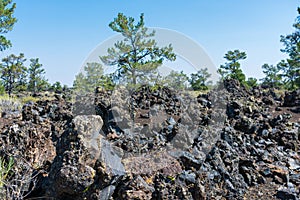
[78, 149]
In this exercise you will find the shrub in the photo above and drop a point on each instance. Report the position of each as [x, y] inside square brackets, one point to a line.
[9, 104]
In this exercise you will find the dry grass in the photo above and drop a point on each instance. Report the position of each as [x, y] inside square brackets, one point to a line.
[9, 104]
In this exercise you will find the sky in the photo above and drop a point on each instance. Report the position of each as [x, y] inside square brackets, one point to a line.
[63, 33]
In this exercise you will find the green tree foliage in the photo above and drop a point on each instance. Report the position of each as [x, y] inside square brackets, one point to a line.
[273, 76]
[37, 81]
[79, 83]
[56, 87]
[7, 21]
[13, 73]
[137, 56]
[232, 68]
[176, 80]
[251, 82]
[199, 80]
[92, 77]
[291, 67]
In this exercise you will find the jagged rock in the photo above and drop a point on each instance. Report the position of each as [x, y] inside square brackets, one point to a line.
[245, 125]
[88, 128]
[137, 188]
[285, 195]
[233, 86]
[109, 165]
[106, 193]
[84, 104]
[268, 100]
[72, 171]
[233, 109]
[292, 98]
[73, 180]
[152, 163]
[159, 144]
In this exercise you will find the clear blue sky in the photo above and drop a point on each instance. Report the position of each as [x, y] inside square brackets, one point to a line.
[62, 33]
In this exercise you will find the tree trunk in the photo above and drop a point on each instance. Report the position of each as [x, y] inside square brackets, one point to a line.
[133, 77]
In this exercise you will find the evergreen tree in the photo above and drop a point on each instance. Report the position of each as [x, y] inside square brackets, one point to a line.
[291, 67]
[176, 80]
[56, 87]
[273, 76]
[251, 82]
[7, 21]
[137, 56]
[37, 81]
[199, 80]
[79, 83]
[92, 77]
[13, 73]
[232, 68]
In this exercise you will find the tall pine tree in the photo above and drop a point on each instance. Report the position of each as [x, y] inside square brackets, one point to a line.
[137, 56]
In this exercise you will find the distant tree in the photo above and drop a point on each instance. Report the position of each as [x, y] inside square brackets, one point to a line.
[176, 80]
[93, 72]
[290, 73]
[251, 82]
[92, 77]
[6, 22]
[291, 67]
[37, 81]
[65, 88]
[232, 68]
[199, 80]
[56, 87]
[22, 81]
[107, 82]
[137, 55]
[13, 72]
[273, 76]
[79, 83]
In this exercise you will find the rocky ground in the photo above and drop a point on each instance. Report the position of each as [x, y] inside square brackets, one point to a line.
[232, 143]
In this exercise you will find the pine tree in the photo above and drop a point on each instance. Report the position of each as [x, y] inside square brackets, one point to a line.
[92, 77]
[137, 56]
[199, 80]
[232, 68]
[13, 73]
[291, 66]
[37, 81]
[6, 22]
[176, 80]
[273, 76]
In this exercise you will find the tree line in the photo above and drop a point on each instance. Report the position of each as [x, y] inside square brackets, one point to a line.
[15, 76]
[137, 58]
[93, 76]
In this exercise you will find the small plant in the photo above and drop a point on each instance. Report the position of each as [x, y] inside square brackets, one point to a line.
[5, 170]
[9, 104]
